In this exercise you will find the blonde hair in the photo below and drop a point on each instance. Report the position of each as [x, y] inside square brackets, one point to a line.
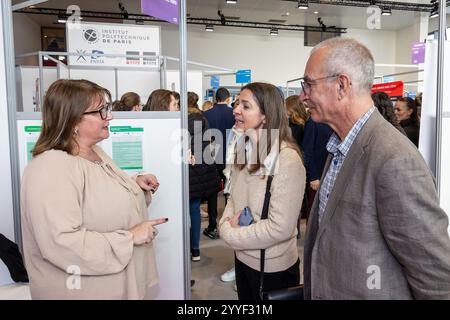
[297, 110]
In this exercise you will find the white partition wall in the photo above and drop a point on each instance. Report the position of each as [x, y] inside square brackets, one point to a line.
[445, 163]
[157, 146]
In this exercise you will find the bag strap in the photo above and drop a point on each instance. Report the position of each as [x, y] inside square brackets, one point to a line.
[264, 214]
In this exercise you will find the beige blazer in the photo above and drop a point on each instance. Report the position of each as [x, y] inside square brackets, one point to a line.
[75, 214]
[383, 234]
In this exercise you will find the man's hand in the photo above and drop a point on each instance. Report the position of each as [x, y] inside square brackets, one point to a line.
[148, 182]
[315, 185]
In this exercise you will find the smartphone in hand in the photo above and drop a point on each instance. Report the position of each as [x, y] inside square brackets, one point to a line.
[246, 217]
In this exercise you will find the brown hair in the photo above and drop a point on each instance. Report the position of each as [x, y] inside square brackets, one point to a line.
[192, 102]
[159, 100]
[297, 110]
[128, 101]
[410, 104]
[64, 105]
[271, 103]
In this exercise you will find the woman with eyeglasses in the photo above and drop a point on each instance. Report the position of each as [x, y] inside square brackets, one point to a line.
[84, 225]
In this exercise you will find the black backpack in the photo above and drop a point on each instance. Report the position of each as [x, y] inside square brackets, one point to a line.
[10, 255]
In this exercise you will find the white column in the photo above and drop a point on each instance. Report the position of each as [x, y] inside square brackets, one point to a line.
[6, 207]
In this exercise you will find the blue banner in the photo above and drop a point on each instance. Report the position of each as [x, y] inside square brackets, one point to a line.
[215, 82]
[244, 76]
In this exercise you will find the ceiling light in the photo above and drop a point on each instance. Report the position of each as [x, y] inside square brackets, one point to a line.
[231, 1]
[386, 11]
[273, 31]
[209, 27]
[62, 19]
[303, 4]
[316, 12]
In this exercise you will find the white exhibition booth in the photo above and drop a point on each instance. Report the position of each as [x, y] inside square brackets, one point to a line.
[149, 142]
[139, 141]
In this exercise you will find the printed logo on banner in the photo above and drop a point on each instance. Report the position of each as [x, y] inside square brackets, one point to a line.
[90, 35]
[81, 54]
[97, 58]
[132, 60]
[149, 58]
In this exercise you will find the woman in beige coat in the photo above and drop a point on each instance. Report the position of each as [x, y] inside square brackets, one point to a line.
[84, 225]
[261, 111]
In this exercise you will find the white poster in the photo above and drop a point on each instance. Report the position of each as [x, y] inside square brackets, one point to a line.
[90, 40]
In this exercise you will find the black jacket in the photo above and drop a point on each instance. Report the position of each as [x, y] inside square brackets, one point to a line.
[411, 130]
[203, 177]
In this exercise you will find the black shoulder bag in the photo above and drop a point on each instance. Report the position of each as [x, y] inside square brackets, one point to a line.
[291, 293]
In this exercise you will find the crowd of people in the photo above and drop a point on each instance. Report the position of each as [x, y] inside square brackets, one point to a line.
[337, 155]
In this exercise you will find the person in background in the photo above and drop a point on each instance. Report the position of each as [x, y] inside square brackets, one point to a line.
[207, 105]
[161, 100]
[177, 99]
[406, 112]
[220, 117]
[81, 214]
[129, 101]
[297, 117]
[386, 109]
[233, 137]
[261, 110]
[315, 138]
[203, 177]
[376, 230]
[418, 101]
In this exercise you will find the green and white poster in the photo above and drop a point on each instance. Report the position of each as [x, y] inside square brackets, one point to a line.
[127, 147]
[32, 134]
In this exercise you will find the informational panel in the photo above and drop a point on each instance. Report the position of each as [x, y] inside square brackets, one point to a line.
[150, 145]
[6, 207]
[109, 38]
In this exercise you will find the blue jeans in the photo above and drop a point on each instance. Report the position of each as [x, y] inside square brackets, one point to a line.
[194, 212]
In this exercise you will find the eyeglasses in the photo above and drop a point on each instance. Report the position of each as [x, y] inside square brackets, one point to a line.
[306, 85]
[103, 111]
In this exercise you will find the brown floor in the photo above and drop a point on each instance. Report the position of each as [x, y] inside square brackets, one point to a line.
[216, 258]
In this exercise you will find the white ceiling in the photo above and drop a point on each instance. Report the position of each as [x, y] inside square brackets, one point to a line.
[251, 10]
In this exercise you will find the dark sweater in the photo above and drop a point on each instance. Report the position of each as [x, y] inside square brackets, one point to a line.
[315, 139]
[203, 177]
[411, 130]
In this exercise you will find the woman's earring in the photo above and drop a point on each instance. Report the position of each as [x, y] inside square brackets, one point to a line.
[75, 131]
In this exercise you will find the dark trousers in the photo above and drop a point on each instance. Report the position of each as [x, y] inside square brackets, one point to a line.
[212, 211]
[248, 280]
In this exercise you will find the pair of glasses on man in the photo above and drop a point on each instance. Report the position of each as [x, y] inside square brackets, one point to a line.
[103, 111]
[307, 83]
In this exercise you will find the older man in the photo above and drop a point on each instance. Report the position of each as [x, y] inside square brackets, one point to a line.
[376, 230]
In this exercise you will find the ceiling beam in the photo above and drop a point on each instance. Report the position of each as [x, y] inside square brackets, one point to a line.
[198, 21]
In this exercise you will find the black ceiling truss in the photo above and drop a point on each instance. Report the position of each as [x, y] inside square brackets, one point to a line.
[393, 5]
[199, 21]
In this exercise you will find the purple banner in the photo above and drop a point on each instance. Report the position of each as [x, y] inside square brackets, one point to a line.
[418, 52]
[163, 9]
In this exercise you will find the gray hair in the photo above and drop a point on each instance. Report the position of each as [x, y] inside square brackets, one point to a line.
[350, 57]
